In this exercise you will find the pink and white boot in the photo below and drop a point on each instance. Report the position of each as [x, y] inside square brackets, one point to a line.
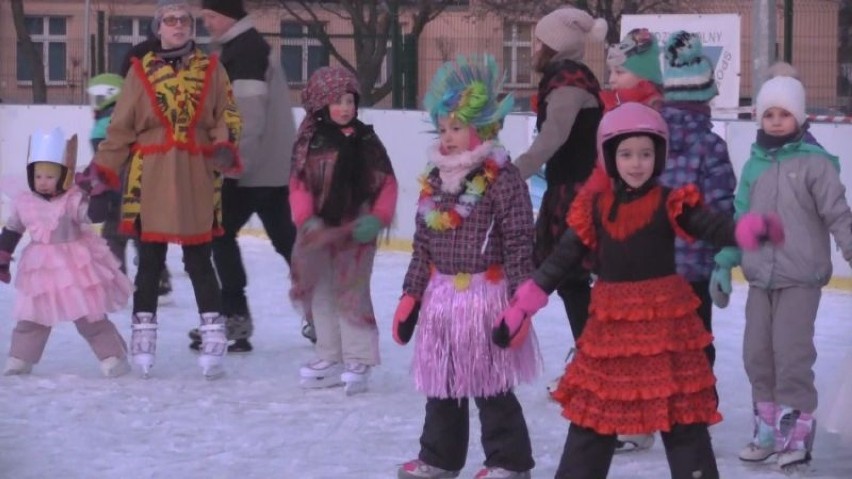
[795, 440]
[214, 345]
[143, 341]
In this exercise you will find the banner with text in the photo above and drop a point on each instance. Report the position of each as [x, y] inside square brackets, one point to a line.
[720, 36]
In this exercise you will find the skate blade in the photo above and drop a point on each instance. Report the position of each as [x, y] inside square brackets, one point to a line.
[145, 362]
[321, 383]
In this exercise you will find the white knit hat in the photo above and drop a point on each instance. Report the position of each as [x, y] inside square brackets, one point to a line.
[782, 92]
[565, 30]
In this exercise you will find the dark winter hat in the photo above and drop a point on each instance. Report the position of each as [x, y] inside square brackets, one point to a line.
[229, 8]
[687, 72]
[637, 53]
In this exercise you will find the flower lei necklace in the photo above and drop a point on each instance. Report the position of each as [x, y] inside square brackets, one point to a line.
[450, 218]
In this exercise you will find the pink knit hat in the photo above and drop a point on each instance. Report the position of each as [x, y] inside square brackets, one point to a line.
[565, 31]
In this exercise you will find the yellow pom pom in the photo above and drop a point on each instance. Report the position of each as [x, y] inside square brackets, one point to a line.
[462, 281]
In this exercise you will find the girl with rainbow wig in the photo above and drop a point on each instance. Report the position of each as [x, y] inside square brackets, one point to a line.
[472, 248]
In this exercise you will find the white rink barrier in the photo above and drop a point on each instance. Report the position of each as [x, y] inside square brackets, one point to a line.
[406, 135]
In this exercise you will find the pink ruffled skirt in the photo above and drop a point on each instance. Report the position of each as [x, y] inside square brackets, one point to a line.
[453, 354]
[67, 281]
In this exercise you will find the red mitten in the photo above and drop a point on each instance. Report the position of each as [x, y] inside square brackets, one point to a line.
[755, 229]
[511, 328]
[5, 261]
[405, 318]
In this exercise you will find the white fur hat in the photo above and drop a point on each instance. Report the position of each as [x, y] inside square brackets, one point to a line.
[782, 92]
[565, 30]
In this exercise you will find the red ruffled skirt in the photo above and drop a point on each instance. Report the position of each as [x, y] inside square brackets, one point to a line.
[640, 365]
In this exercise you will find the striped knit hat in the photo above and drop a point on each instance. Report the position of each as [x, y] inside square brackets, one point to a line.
[687, 73]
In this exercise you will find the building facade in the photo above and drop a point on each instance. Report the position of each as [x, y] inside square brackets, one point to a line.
[57, 28]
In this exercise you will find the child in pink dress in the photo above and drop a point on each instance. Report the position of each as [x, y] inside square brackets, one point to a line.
[66, 272]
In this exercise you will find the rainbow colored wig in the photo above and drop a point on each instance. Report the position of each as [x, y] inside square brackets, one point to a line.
[467, 89]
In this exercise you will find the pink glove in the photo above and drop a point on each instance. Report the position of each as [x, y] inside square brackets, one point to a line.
[754, 229]
[513, 325]
[405, 318]
[5, 261]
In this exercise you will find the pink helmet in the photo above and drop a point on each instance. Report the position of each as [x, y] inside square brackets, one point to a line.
[629, 119]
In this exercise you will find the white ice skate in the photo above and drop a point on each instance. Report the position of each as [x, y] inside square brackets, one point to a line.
[417, 469]
[143, 341]
[354, 378]
[754, 452]
[16, 367]
[113, 367]
[798, 431]
[500, 473]
[214, 345]
[321, 373]
[633, 442]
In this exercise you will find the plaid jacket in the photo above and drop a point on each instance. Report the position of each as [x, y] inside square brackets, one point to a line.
[499, 231]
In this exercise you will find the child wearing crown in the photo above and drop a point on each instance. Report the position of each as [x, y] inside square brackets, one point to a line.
[472, 248]
[66, 272]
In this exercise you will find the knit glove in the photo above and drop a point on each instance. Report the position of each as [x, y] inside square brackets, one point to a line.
[511, 328]
[5, 261]
[405, 318]
[720, 286]
[753, 230]
[366, 229]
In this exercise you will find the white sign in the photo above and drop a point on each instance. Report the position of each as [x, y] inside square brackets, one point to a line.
[720, 37]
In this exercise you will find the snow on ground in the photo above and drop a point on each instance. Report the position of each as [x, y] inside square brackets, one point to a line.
[65, 420]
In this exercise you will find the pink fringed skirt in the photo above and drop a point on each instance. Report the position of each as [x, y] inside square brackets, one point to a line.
[68, 281]
[453, 354]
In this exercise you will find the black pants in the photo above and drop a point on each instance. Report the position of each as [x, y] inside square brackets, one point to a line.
[576, 296]
[587, 454]
[505, 438]
[238, 204]
[705, 311]
[196, 263]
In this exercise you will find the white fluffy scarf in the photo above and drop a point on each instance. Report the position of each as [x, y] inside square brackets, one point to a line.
[454, 168]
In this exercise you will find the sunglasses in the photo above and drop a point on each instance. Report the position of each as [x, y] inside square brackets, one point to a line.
[172, 21]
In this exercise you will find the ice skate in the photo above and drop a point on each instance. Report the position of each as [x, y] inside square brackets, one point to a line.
[214, 345]
[308, 330]
[354, 378]
[633, 442]
[418, 469]
[763, 442]
[17, 367]
[320, 373]
[500, 473]
[113, 367]
[143, 341]
[239, 329]
[796, 434]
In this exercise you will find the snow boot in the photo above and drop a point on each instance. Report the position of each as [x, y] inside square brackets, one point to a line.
[795, 439]
[500, 473]
[763, 443]
[214, 345]
[418, 469]
[17, 367]
[321, 373]
[354, 378]
[143, 341]
[633, 442]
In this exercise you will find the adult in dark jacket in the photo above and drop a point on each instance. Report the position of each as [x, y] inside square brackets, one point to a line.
[569, 111]
[262, 96]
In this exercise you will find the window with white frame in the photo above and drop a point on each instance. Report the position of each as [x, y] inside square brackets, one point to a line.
[122, 34]
[51, 40]
[518, 53]
[301, 52]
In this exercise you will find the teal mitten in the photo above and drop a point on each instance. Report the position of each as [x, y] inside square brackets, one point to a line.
[366, 228]
[720, 286]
